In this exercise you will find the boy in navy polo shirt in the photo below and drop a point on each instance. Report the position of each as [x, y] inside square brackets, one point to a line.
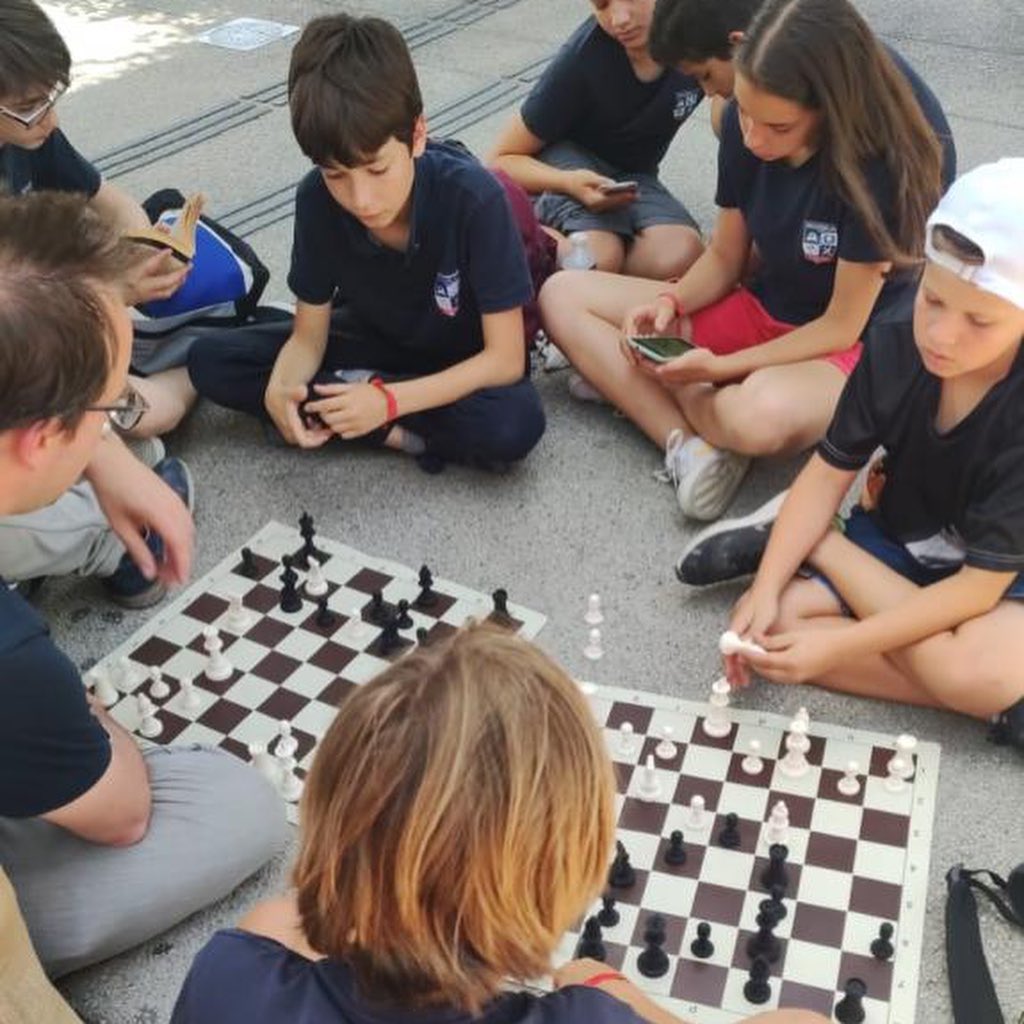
[409, 272]
[606, 111]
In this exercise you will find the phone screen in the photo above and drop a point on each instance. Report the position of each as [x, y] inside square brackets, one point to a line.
[660, 349]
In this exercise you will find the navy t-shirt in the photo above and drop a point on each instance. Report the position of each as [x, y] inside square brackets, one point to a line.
[55, 165]
[949, 497]
[241, 978]
[801, 227]
[465, 258]
[52, 748]
[590, 95]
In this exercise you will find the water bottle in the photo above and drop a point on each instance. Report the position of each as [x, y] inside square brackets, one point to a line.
[579, 256]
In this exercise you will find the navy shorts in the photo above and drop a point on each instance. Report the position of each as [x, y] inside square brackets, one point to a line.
[861, 528]
[654, 204]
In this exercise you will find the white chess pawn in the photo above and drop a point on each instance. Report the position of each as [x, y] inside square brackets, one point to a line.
[239, 618]
[696, 818]
[218, 668]
[648, 786]
[729, 643]
[594, 616]
[289, 785]
[264, 763]
[899, 770]
[905, 747]
[594, 651]
[778, 824]
[103, 689]
[753, 763]
[627, 740]
[316, 585]
[804, 717]
[158, 688]
[190, 699]
[849, 784]
[587, 689]
[286, 745]
[716, 722]
[795, 764]
[666, 749]
[149, 725]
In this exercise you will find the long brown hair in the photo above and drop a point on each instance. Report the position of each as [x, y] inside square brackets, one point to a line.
[457, 819]
[822, 55]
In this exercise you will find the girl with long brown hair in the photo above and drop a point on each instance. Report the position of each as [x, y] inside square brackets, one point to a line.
[830, 160]
[458, 819]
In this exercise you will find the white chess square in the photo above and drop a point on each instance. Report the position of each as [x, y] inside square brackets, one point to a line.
[256, 727]
[881, 862]
[840, 752]
[860, 930]
[300, 644]
[670, 894]
[804, 785]
[765, 735]
[879, 798]
[749, 802]
[824, 887]
[309, 680]
[624, 747]
[196, 732]
[836, 819]
[666, 784]
[706, 762]
[809, 963]
[681, 723]
[249, 691]
[678, 818]
[180, 630]
[244, 654]
[752, 907]
[364, 667]
[723, 937]
[730, 868]
[642, 847]
[315, 718]
[183, 664]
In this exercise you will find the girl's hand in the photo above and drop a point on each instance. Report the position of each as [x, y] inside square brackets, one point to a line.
[698, 366]
[652, 318]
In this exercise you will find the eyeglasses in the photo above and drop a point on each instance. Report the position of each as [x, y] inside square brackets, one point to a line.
[30, 118]
[127, 412]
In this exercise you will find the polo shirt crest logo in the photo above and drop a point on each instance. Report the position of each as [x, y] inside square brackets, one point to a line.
[446, 293]
[820, 241]
[686, 103]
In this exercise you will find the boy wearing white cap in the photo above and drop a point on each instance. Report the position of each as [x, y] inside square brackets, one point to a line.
[923, 595]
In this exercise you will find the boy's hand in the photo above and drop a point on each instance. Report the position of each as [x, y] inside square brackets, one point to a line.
[586, 188]
[284, 404]
[753, 616]
[350, 410]
[798, 657]
[157, 277]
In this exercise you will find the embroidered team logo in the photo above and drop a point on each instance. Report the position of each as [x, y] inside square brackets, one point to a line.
[446, 293]
[686, 103]
[820, 241]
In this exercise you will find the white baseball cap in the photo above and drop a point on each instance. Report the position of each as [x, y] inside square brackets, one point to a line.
[986, 206]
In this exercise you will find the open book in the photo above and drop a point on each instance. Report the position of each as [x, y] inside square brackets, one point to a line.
[181, 239]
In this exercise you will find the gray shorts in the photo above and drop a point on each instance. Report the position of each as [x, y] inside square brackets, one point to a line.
[653, 205]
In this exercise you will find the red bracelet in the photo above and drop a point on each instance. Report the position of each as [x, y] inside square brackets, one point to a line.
[676, 304]
[389, 397]
[597, 979]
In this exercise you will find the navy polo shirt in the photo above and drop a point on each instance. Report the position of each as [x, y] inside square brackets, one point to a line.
[52, 748]
[590, 95]
[801, 227]
[465, 258]
[55, 165]
[241, 978]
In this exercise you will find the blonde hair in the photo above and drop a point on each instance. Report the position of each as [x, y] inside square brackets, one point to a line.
[458, 817]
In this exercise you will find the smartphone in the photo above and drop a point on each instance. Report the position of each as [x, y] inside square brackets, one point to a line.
[659, 349]
[618, 187]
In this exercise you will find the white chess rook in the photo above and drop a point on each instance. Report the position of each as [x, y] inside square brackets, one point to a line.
[716, 721]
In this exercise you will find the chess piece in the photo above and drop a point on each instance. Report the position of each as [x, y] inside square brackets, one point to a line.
[730, 643]
[905, 747]
[648, 787]
[158, 688]
[896, 779]
[594, 616]
[389, 639]
[627, 742]
[776, 873]
[427, 596]
[716, 722]
[593, 650]
[500, 613]
[217, 668]
[403, 616]
[653, 960]
[287, 744]
[850, 1009]
[422, 636]
[238, 618]
[123, 675]
[729, 837]
[608, 916]
[316, 584]
[590, 944]
[265, 764]
[666, 749]
[795, 764]
[190, 699]
[290, 785]
[882, 947]
[753, 763]
[290, 600]
[249, 567]
[621, 875]
[675, 854]
[102, 687]
[774, 904]
[777, 829]
[376, 612]
[702, 947]
[765, 942]
[849, 784]
[149, 725]
[324, 618]
[757, 989]
[696, 818]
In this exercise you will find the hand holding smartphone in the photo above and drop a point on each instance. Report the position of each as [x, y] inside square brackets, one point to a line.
[661, 349]
[615, 188]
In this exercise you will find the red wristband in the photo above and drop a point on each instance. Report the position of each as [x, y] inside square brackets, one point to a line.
[389, 397]
[597, 979]
[676, 304]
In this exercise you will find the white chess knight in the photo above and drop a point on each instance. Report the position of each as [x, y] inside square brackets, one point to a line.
[316, 585]
[666, 749]
[289, 784]
[795, 763]
[904, 756]
[697, 818]
[594, 651]
[753, 763]
[777, 830]
[239, 618]
[730, 642]
[149, 725]
[158, 688]
[716, 721]
[103, 689]
[849, 784]
[594, 616]
[627, 738]
[648, 787]
[286, 745]
[218, 668]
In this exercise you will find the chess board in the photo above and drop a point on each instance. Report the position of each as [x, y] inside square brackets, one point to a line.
[286, 667]
[854, 861]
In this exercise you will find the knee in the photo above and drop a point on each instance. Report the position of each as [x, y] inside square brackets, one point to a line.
[515, 427]
[960, 674]
[763, 422]
[664, 262]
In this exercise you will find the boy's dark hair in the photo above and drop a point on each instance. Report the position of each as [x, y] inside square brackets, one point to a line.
[32, 53]
[351, 87]
[56, 339]
[945, 239]
[697, 30]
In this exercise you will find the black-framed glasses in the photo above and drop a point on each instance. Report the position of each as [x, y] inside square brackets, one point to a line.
[126, 412]
[31, 117]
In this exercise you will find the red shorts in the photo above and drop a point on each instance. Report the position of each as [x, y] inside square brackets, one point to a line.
[739, 321]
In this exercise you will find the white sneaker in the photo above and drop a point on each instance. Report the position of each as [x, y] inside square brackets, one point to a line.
[580, 389]
[705, 477]
[149, 450]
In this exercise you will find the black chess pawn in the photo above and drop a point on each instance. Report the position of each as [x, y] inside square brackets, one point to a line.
[676, 852]
[422, 636]
[427, 596]
[765, 942]
[404, 618]
[653, 960]
[249, 566]
[774, 904]
[729, 837]
[291, 601]
[376, 611]
[776, 874]
[500, 598]
[590, 944]
[622, 875]
[850, 1009]
[702, 947]
[389, 640]
[608, 916]
[325, 618]
[882, 948]
[757, 989]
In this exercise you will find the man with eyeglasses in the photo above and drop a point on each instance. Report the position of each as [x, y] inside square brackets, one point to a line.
[104, 844]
